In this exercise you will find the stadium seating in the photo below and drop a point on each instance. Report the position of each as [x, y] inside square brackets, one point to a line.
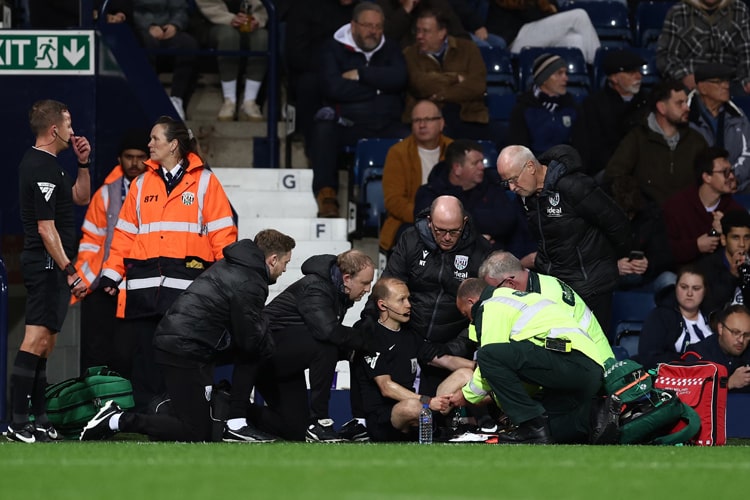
[629, 311]
[578, 75]
[369, 158]
[500, 107]
[611, 21]
[369, 153]
[489, 149]
[649, 18]
[501, 78]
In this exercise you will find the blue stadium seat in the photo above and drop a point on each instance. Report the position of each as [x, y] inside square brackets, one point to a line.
[628, 310]
[611, 21]
[743, 199]
[500, 107]
[742, 102]
[649, 18]
[578, 74]
[489, 150]
[373, 202]
[627, 335]
[501, 78]
[369, 153]
[650, 73]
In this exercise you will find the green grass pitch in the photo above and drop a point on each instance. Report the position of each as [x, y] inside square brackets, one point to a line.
[143, 471]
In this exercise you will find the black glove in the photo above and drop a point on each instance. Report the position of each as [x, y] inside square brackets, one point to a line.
[106, 282]
[430, 351]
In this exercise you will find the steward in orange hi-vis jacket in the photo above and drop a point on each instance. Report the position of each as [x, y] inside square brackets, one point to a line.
[164, 240]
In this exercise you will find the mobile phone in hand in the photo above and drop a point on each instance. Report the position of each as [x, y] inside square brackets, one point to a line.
[636, 255]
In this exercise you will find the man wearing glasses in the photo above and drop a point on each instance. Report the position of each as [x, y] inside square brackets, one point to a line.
[362, 77]
[729, 346]
[450, 72]
[719, 120]
[580, 231]
[693, 216]
[433, 258]
[408, 166]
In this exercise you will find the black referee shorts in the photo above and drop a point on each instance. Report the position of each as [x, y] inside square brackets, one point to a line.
[47, 291]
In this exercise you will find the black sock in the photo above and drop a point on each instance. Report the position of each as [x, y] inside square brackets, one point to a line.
[22, 384]
[38, 401]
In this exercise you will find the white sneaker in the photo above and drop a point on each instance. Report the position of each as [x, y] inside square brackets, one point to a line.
[226, 112]
[177, 103]
[249, 111]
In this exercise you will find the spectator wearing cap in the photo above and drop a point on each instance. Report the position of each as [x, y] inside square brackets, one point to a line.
[98, 309]
[610, 113]
[696, 32]
[544, 115]
[721, 122]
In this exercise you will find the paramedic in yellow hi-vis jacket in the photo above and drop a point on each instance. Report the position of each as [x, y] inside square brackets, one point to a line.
[526, 338]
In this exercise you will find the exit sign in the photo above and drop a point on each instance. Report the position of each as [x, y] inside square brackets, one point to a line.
[46, 52]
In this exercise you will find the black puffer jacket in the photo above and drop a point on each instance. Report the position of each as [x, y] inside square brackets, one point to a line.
[433, 277]
[580, 230]
[318, 301]
[222, 305]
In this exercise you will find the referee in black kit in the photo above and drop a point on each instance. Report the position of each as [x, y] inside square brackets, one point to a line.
[47, 197]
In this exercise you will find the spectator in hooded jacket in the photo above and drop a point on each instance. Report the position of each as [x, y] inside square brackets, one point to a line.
[483, 196]
[220, 310]
[660, 151]
[362, 77]
[544, 115]
[581, 233]
[677, 322]
[305, 324]
[719, 120]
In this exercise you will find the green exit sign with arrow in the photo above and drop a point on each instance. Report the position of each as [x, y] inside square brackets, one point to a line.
[46, 52]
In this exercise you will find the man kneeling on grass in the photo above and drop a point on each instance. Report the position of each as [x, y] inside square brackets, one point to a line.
[385, 380]
[219, 312]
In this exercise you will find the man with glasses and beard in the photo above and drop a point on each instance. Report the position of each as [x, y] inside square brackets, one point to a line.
[580, 231]
[433, 258]
[362, 77]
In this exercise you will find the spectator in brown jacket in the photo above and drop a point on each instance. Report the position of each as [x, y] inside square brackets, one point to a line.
[407, 167]
[450, 72]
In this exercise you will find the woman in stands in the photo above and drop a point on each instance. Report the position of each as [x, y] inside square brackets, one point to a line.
[677, 322]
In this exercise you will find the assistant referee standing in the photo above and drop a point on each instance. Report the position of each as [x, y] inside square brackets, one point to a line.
[47, 197]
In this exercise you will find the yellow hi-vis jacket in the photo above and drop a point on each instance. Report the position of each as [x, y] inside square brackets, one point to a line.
[513, 316]
[557, 290]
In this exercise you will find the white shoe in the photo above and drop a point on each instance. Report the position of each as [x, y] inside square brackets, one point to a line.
[226, 112]
[249, 111]
[177, 103]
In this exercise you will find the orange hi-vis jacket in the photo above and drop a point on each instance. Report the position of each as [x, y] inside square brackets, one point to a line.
[162, 242]
[98, 228]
